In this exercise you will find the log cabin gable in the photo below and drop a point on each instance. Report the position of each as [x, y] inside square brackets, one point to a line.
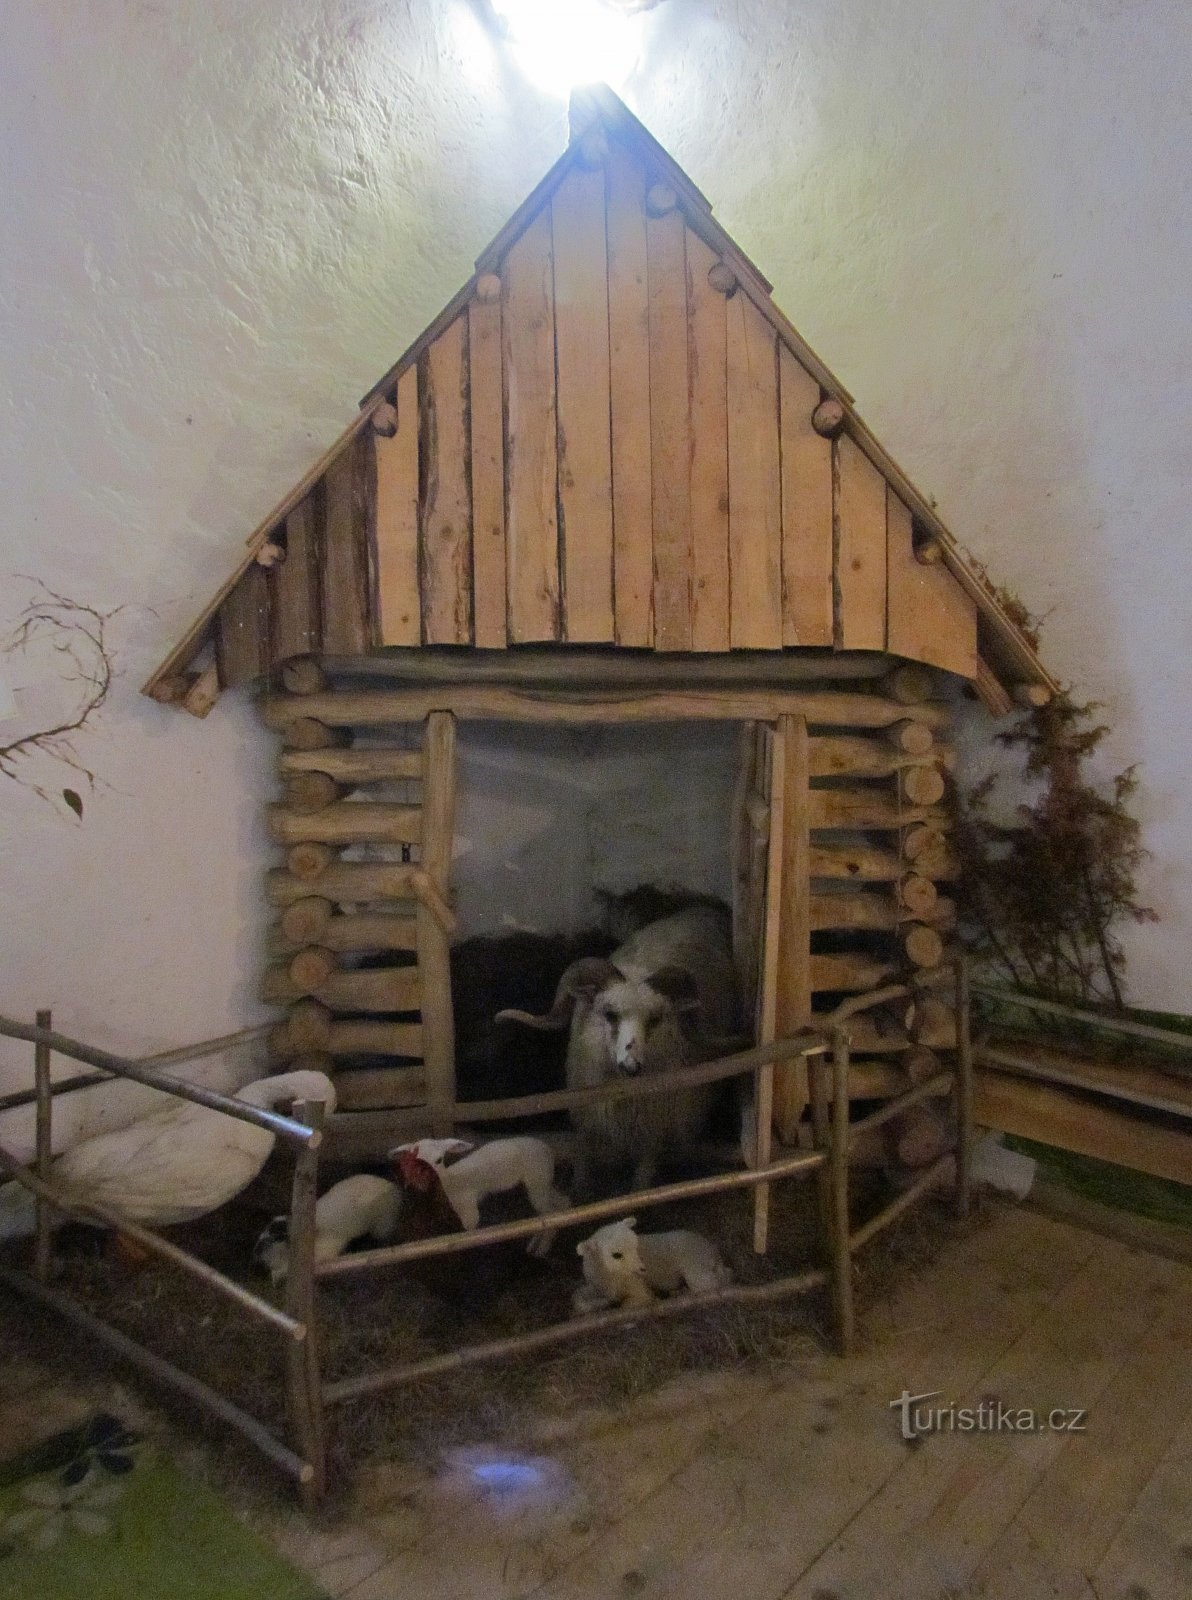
[611, 436]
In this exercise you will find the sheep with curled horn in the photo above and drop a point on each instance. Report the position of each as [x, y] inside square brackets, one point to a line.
[666, 998]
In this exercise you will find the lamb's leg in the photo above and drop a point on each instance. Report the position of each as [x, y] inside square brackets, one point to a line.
[467, 1208]
[545, 1198]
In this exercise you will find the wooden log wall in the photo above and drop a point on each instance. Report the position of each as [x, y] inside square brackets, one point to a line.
[358, 953]
[609, 439]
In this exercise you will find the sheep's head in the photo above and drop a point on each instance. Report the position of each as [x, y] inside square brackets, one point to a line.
[436, 1153]
[415, 1173]
[640, 1021]
[611, 1257]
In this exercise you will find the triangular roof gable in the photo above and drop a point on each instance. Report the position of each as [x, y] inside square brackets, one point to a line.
[607, 437]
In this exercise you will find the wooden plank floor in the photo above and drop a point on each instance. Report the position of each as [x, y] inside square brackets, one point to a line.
[796, 1483]
[792, 1482]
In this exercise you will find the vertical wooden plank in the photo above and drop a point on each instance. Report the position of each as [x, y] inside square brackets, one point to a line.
[445, 543]
[488, 475]
[399, 618]
[708, 378]
[928, 615]
[242, 629]
[806, 510]
[345, 585]
[744, 955]
[629, 407]
[793, 998]
[582, 368]
[771, 976]
[294, 589]
[755, 494]
[859, 545]
[531, 482]
[670, 431]
[434, 956]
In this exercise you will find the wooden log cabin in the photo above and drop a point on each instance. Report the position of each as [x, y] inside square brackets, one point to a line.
[609, 484]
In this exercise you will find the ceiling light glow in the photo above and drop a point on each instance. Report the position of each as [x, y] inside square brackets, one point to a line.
[561, 43]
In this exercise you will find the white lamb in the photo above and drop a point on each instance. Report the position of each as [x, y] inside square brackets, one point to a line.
[362, 1207]
[493, 1168]
[623, 1267]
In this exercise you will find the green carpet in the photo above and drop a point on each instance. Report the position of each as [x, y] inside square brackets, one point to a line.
[96, 1514]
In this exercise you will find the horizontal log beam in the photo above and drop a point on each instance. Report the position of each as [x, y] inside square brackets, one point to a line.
[354, 766]
[862, 809]
[370, 931]
[385, 989]
[848, 973]
[345, 883]
[881, 912]
[843, 755]
[854, 862]
[376, 1088]
[376, 707]
[595, 669]
[348, 822]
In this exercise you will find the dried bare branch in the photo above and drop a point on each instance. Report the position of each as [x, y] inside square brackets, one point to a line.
[77, 634]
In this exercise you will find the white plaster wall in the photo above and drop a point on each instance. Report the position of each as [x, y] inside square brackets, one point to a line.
[222, 220]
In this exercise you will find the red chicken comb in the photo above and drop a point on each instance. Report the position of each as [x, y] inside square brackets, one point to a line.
[416, 1173]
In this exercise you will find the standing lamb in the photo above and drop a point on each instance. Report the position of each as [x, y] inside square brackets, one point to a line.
[645, 1010]
[492, 1168]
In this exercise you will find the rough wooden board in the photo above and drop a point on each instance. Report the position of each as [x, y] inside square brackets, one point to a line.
[345, 576]
[806, 510]
[531, 517]
[582, 367]
[488, 476]
[399, 620]
[1060, 1117]
[242, 630]
[708, 378]
[929, 616]
[294, 588]
[445, 544]
[1149, 1554]
[378, 1088]
[794, 975]
[859, 540]
[434, 962]
[670, 431]
[755, 489]
[629, 376]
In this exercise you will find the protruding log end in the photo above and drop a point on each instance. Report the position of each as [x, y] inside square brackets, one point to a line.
[1032, 695]
[309, 861]
[303, 675]
[921, 786]
[168, 691]
[912, 738]
[311, 791]
[917, 895]
[928, 552]
[306, 920]
[922, 841]
[203, 692]
[304, 733]
[909, 685]
[270, 554]
[923, 946]
[309, 969]
[488, 288]
[660, 199]
[921, 1064]
[828, 418]
[384, 419]
[723, 279]
[308, 1026]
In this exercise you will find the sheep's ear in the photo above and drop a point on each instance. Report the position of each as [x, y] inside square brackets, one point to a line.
[630, 1222]
[583, 1248]
[678, 986]
[457, 1147]
[401, 1150]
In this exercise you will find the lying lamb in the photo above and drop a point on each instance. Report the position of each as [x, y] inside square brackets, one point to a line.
[362, 1207]
[489, 1169]
[623, 1267]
